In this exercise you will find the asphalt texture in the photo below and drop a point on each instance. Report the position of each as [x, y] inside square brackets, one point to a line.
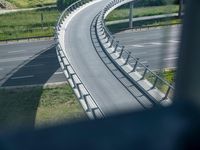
[156, 47]
[109, 93]
[29, 63]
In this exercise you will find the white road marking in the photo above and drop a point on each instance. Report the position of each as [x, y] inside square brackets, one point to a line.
[137, 45]
[16, 51]
[34, 65]
[14, 59]
[174, 41]
[22, 77]
[56, 73]
[156, 43]
[171, 58]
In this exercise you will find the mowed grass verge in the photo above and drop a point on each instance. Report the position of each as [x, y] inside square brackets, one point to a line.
[167, 75]
[123, 13]
[31, 3]
[36, 107]
[28, 24]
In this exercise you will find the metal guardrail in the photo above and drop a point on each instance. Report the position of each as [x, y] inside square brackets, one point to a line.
[129, 58]
[85, 98]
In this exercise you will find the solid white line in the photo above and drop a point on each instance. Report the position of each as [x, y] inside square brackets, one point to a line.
[56, 73]
[171, 58]
[34, 65]
[136, 45]
[174, 41]
[22, 77]
[16, 51]
[156, 43]
[14, 59]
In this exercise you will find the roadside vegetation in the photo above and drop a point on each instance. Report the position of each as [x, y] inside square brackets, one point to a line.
[123, 13]
[28, 24]
[31, 3]
[38, 107]
[168, 75]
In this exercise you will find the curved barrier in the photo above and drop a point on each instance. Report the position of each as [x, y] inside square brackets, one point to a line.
[126, 62]
[85, 98]
[119, 56]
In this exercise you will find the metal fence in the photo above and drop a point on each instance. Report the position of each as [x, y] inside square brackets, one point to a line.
[125, 54]
[85, 98]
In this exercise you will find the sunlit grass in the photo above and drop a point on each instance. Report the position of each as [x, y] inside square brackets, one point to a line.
[35, 107]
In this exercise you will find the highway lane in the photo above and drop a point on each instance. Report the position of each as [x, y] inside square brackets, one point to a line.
[157, 47]
[109, 93]
[29, 63]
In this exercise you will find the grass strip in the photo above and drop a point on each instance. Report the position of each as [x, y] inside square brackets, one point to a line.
[123, 13]
[114, 28]
[168, 75]
[36, 107]
[32, 3]
[28, 24]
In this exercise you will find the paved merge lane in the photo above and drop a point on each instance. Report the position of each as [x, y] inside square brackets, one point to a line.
[156, 47]
[29, 64]
[110, 95]
[25, 63]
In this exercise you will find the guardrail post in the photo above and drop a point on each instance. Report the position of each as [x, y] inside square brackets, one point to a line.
[116, 46]
[113, 39]
[122, 50]
[136, 63]
[167, 93]
[155, 82]
[79, 90]
[71, 76]
[129, 55]
[145, 72]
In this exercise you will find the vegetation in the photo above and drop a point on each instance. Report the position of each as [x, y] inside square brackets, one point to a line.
[168, 75]
[31, 3]
[123, 13]
[28, 24]
[36, 107]
[114, 28]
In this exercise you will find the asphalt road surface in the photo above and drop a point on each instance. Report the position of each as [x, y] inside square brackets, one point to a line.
[108, 92]
[157, 48]
[30, 63]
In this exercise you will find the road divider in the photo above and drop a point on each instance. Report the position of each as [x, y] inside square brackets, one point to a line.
[135, 72]
[85, 98]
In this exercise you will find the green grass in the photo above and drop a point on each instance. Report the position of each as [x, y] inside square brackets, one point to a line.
[167, 75]
[114, 28]
[36, 107]
[28, 24]
[123, 13]
[31, 3]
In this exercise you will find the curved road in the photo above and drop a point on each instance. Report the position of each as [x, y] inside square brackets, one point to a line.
[108, 92]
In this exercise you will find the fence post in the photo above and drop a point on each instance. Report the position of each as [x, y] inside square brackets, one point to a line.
[145, 72]
[135, 66]
[129, 55]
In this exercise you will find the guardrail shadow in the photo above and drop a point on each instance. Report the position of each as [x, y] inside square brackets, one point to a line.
[18, 107]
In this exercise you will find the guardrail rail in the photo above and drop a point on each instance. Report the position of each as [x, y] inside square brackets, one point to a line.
[126, 62]
[85, 98]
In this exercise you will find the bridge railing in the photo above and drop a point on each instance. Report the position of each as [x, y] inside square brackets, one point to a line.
[85, 98]
[126, 54]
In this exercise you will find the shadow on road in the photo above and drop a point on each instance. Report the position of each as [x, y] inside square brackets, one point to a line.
[36, 71]
[18, 107]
